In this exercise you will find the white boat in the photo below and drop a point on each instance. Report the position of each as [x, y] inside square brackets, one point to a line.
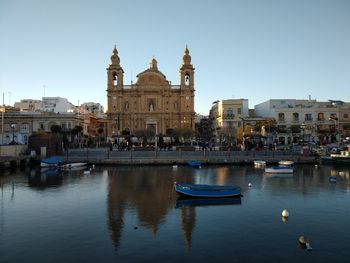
[286, 163]
[259, 163]
[279, 170]
[69, 166]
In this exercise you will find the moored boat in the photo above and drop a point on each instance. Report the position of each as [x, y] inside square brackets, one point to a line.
[207, 191]
[259, 163]
[69, 166]
[51, 161]
[279, 170]
[195, 163]
[286, 163]
[342, 158]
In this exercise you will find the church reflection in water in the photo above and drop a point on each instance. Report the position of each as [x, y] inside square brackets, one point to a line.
[149, 192]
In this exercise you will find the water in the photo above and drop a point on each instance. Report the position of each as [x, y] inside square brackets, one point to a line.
[131, 214]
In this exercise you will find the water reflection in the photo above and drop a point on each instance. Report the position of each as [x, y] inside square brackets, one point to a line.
[148, 191]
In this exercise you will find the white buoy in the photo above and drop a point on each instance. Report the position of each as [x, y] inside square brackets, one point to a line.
[93, 166]
[87, 172]
[250, 185]
[174, 167]
[285, 213]
[316, 165]
[341, 173]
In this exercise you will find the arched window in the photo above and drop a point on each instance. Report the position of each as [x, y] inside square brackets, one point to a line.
[187, 79]
[115, 79]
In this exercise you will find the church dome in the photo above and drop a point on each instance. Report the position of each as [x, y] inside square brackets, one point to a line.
[152, 76]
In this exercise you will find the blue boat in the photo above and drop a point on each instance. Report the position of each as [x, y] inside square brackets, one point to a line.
[207, 191]
[51, 161]
[186, 201]
[195, 163]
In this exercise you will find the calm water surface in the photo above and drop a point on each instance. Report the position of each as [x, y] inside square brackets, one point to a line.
[131, 214]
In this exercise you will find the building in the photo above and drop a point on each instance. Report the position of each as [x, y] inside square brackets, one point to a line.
[28, 105]
[152, 103]
[56, 105]
[93, 108]
[227, 117]
[18, 126]
[307, 121]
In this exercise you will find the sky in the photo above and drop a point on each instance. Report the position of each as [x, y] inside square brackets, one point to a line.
[252, 49]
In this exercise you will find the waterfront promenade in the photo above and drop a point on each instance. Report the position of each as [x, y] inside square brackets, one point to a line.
[105, 156]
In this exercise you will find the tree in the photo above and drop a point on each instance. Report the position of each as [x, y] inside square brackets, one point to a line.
[57, 129]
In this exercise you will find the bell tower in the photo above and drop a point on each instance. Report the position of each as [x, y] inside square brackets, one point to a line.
[115, 73]
[187, 92]
[187, 71]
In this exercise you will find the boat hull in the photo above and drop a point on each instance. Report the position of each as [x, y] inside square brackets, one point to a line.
[194, 163]
[69, 166]
[279, 170]
[207, 191]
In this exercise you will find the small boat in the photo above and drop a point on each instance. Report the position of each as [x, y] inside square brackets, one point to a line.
[286, 163]
[342, 158]
[51, 161]
[259, 164]
[207, 191]
[195, 163]
[71, 166]
[279, 170]
[183, 202]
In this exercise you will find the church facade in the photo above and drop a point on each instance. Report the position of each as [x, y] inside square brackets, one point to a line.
[152, 103]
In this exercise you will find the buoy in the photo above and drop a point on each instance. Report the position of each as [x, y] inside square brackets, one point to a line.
[174, 167]
[316, 165]
[93, 166]
[341, 173]
[302, 240]
[285, 213]
[200, 167]
[332, 179]
[250, 185]
[86, 172]
[304, 243]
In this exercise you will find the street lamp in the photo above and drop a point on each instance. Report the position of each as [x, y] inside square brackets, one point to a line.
[13, 126]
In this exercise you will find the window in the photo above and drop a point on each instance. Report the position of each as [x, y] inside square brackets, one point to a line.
[24, 128]
[345, 116]
[281, 116]
[115, 79]
[187, 79]
[308, 117]
[126, 106]
[295, 116]
[41, 125]
[239, 124]
[239, 111]
[320, 116]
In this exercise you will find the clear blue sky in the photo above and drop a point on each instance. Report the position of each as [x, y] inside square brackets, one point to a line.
[256, 50]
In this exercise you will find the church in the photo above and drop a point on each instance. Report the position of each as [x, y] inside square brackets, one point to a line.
[152, 103]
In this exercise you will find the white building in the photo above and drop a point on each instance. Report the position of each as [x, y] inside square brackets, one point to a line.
[305, 120]
[56, 105]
